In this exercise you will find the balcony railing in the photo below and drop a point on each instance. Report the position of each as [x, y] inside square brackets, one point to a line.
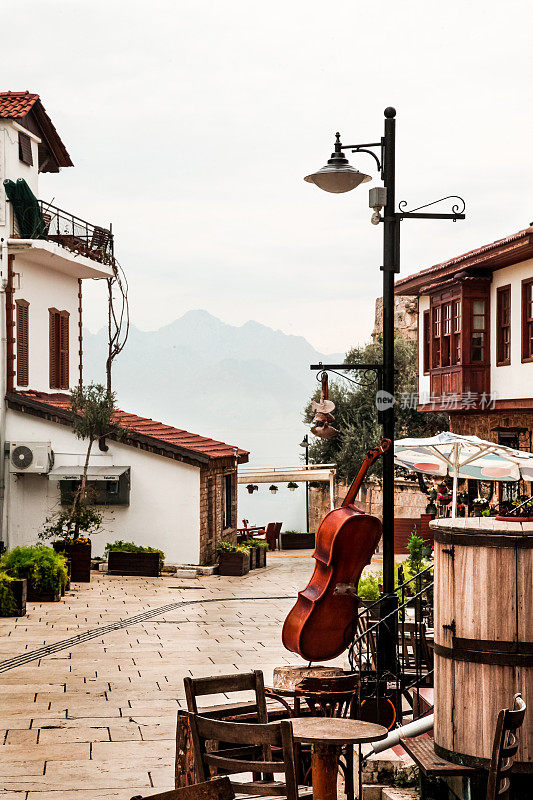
[75, 234]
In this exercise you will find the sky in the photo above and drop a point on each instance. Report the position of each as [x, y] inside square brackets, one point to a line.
[191, 125]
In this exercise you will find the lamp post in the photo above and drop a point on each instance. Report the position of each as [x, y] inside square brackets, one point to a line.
[305, 443]
[338, 177]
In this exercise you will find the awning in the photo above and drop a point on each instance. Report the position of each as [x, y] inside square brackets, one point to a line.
[94, 474]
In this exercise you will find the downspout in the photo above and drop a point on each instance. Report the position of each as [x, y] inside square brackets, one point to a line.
[6, 283]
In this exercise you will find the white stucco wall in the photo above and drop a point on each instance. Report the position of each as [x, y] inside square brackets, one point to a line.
[164, 508]
[516, 380]
[423, 380]
[45, 288]
[11, 167]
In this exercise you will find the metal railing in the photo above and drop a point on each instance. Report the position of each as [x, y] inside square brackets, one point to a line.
[71, 232]
[410, 622]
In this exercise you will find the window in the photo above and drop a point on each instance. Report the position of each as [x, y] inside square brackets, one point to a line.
[426, 341]
[503, 329]
[25, 154]
[436, 348]
[100, 493]
[22, 342]
[478, 350]
[456, 336]
[527, 320]
[228, 501]
[59, 349]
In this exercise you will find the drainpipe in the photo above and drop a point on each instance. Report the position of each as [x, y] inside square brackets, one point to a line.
[4, 534]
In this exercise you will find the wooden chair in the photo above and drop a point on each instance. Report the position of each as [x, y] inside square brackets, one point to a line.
[215, 789]
[226, 684]
[263, 740]
[506, 740]
[273, 535]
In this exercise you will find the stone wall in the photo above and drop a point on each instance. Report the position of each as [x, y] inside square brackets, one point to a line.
[409, 501]
[212, 507]
[405, 318]
[484, 424]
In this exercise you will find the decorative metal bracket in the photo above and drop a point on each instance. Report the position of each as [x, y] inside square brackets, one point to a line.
[456, 213]
[364, 148]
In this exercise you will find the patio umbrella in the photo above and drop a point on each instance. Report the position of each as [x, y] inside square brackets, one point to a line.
[463, 457]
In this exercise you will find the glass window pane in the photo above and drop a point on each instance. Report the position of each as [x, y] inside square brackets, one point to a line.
[479, 306]
[479, 323]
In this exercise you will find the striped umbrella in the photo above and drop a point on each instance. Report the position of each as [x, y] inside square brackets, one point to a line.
[463, 457]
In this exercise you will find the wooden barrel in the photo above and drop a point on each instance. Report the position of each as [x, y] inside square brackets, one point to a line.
[483, 635]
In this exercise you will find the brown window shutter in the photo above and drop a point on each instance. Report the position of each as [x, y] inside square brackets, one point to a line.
[25, 154]
[63, 349]
[54, 348]
[22, 342]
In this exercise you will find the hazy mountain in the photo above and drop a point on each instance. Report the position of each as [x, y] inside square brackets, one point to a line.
[246, 385]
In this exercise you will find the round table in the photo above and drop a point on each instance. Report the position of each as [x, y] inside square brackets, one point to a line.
[327, 735]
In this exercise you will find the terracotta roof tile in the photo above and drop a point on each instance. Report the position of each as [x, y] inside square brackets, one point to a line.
[144, 426]
[16, 104]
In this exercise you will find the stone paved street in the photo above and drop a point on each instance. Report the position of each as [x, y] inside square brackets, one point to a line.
[97, 719]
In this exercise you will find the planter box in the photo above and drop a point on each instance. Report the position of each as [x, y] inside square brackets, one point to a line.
[261, 556]
[123, 562]
[43, 597]
[79, 556]
[233, 563]
[254, 558]
[20, 590]
[297, 541]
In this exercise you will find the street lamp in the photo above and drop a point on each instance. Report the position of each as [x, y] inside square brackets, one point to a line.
[336, 177]
[305, 443]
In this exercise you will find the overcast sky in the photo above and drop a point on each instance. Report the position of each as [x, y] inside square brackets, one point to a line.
[191, 125]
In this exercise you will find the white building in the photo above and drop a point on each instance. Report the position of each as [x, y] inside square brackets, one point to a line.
[162, 486]
[475, 339]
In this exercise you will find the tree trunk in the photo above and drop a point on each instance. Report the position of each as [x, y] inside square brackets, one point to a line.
[81, 489]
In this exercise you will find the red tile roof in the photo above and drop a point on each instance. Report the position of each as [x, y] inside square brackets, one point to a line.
[15, 105]
[502, 252]
[139, 429]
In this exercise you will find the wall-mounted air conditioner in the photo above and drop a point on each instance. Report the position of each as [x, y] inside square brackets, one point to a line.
[33, 457]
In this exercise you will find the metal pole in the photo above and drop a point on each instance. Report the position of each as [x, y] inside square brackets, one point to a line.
[306, 440]
[391, 264]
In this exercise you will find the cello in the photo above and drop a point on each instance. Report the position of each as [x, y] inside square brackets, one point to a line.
[346, 539]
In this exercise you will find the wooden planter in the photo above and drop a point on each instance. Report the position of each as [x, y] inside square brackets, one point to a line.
[124, 562]
[43, 597]
[19, 587]
[261, 556]
[233, 563]
[254, 558]
[79, 556]
[297, 541]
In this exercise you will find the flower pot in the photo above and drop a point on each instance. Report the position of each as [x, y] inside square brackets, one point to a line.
[79, 555]
[19, 587]
[124, 562]
[233, 563]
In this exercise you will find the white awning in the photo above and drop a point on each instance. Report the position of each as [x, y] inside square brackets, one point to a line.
[111, 473]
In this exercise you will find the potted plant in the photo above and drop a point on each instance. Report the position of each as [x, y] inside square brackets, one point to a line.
[258, 551]
[479, 504]
[13, 594]
[128, 558]
[519, 510]
[44, 569]
[233, 559]
[93, 409]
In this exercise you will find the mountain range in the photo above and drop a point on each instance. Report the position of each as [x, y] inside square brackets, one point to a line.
[246, 385]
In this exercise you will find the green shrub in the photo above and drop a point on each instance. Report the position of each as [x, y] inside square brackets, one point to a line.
[131, 547]
[257, 543]
[8, 605]
[45, 569]
[368, 588]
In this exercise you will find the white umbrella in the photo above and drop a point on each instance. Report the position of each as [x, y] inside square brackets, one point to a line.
[463, 457]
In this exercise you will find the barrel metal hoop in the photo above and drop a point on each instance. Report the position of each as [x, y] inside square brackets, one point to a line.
[502, 658]
[465, 760]
[483, 539]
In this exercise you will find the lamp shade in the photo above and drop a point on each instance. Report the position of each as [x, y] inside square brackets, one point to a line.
[273, 489]
[337, 176]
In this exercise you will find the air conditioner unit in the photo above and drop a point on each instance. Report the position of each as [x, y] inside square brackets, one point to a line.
[33, 457]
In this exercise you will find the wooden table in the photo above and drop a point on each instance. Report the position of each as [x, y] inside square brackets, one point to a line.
[327, 735]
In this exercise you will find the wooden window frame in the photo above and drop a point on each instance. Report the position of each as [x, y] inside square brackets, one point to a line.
[23, 342]
[526, 321]
[426, 341]
[501, 293]
[485, 331]
[229, 522]
[59, 350]
[25, 149]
